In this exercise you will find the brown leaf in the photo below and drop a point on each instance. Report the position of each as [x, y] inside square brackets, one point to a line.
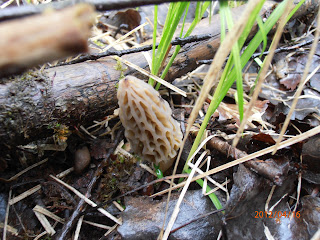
[262, 137]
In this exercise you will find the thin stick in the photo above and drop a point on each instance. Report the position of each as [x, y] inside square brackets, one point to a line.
[101, 5]
[119, 53]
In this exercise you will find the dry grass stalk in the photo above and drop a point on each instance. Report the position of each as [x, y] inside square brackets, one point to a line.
[87, 200]
[25, 194]
[47, 213]
[163, 82]
[124, 36]
[283, 144]
[5, 225]
[183, 192]
[45, 223]
[78, 228]
[9, 229]
[24, 171]
[111, 230]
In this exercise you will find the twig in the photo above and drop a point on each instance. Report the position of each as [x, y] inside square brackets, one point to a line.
[100, 5]
[76, 213]
[263, 168]
[284, 49]
[119, 53]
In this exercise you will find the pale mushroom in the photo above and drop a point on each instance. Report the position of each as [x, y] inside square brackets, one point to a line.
[149, 126]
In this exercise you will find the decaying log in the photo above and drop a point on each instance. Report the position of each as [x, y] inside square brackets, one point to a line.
[32, 105]
[35, 40]
[79, 93]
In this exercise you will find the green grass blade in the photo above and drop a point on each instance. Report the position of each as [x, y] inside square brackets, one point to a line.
[225, 11]
[263, 33]
[200, 9]
[155, 25]
[176, 51]
[224, 85]
[213, 197]
[199, 13]
[173, 17]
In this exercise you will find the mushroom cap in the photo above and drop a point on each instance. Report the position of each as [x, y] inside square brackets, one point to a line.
[149, 126]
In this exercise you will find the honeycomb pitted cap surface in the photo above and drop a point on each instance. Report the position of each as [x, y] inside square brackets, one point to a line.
[149, 127]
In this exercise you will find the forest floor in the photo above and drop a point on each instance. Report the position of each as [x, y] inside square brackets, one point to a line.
[84, 181]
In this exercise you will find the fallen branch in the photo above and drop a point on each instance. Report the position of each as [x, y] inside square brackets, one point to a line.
[28, 42]
[267, 169]
[119, 53]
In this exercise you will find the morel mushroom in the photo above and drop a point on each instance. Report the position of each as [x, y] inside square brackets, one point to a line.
[149, 127]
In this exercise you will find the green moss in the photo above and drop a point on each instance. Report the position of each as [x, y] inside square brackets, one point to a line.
[120, 68]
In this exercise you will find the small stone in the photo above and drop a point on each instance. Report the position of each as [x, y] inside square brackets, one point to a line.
[82, 159]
